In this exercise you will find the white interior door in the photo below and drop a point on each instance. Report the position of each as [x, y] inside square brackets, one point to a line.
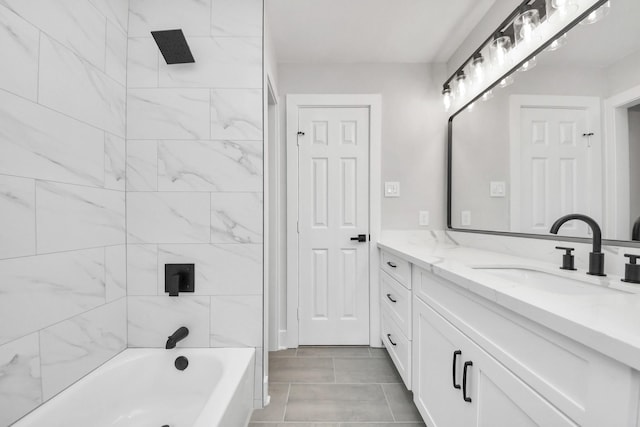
[333, 208]
[559, 172]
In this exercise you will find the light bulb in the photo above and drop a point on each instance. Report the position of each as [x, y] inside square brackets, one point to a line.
[597, 14]
[529, 64]
[557, 43]
[487, 95]
[446, 97]
[477, 69]
[564, 7]
[525, 24]
[507, 81]
[500, 48]
[461, 85]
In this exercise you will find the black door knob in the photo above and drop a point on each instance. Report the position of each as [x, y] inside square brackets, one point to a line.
[360, 238]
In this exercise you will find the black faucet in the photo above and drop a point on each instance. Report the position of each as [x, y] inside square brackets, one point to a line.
[596, 257]
[635, 234]
[180, 334]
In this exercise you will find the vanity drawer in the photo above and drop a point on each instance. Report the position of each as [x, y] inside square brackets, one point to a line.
[398, 346]
[396, 299]
[397, 268]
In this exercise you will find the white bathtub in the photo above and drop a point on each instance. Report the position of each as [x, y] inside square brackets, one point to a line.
[142, 388]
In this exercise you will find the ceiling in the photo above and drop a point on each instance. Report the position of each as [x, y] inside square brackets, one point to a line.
[371, 31]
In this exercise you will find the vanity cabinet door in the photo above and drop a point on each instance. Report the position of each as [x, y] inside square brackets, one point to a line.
[494, 396]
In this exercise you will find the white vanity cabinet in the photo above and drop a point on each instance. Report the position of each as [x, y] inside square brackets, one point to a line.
[395, 297]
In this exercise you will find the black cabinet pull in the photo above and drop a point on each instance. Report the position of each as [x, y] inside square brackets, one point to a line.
[390, 264]
[464, 381]
[389, 338]
[455, 360]
[391, 299]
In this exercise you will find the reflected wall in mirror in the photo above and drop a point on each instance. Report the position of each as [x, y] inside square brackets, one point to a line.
[563, 138]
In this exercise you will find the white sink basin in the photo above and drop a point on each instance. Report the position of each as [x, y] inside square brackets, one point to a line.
[549, 282]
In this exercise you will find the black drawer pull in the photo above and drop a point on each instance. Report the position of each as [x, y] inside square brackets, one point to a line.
[389, 338]
[390, 264]
[455, 360]
[391, 299]
[464, 381]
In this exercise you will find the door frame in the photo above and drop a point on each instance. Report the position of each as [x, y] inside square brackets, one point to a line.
[617, 224]
[590, 104]
[294, 103]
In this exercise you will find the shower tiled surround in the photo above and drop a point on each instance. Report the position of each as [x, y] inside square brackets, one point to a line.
[194, 174]
[62, 195]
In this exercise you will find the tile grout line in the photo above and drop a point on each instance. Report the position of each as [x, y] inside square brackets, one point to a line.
[286, 403]
[388, 404]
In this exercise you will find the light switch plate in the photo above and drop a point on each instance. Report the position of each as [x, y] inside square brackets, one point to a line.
[423, 218]
[497, 189]
[391, 189]
[465, 218]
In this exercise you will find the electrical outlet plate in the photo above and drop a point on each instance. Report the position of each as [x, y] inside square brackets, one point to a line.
[497, 189]
[465, 218]
[391, 189]
[423, 218]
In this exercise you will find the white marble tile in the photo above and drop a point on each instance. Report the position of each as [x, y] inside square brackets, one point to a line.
[17, 216]
[37, 142]
[192, 16]
[236, 217]
[236, 321]
[73, 217]
[227, 269]
[153, 319]
[20, 43]
[71, 349]
[41, 290]
[117, 11]
[142, 165]
[116, 60]
[223, 62]
[142, 63]
[236, 114]
[20, 381]
[142, 270]
[114, 162]
[78, 89]
[168, 217]
[236, 18]
[168, 114]
[115, 264]
[210, 166]
[76, 24]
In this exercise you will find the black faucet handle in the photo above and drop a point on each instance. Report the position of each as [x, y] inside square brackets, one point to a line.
[568, 260]
[632, 258]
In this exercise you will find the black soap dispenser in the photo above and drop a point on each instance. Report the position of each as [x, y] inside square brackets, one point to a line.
[631, 269]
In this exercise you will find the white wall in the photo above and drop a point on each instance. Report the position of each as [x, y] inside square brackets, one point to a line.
[413, 128]
[62, 195]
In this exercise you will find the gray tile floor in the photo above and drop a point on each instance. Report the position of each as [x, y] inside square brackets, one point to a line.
[336, 387]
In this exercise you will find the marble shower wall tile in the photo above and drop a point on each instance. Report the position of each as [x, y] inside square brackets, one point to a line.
[20, 43]
[168, 114]
[75, 217]
[152, 319]
[142, 270]
[236, 217]
[76, 24]
[41, 290]
[142, 63]
[114, 162]
[17, 216]
[236, 114]
[220, 62]
[20, 379]
[37, 142]
[168, 217]
[236, 18]
[193, 16]
[210, 166]
[116, 60]
[236, 321]
[142, 165]
[97, 99]
[71, 349]
[227, 269]
[115, 264]
[117, 11]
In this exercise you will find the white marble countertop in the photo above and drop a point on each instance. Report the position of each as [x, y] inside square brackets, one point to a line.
[606, 322]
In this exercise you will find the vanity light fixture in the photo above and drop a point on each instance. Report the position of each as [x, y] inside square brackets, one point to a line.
[563, 7]
[507, 81]
[597, 14]
[525, 25]
[529, 64]
[461, 84]
[477, 69]
[487, 95]
[557, 43]
[500, 48]
[446, 96]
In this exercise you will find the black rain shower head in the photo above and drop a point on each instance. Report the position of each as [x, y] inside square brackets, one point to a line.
[173, 46]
